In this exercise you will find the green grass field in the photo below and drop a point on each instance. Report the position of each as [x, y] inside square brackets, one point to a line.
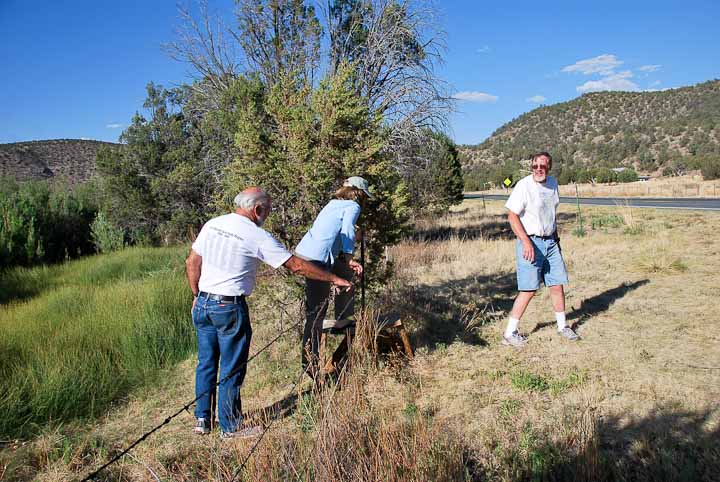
[634, 400]
[77, 337]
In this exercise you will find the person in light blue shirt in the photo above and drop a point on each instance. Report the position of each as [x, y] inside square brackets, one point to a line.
[330, 244]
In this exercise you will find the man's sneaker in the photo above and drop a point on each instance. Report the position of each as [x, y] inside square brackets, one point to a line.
[202, 426]
[247, 432]
[568, 333]
[516, 340]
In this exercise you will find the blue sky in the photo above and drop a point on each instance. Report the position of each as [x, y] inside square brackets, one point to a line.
[78, 69]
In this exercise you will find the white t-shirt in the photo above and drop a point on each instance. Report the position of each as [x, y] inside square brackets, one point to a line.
[232, 247]
[536, 203]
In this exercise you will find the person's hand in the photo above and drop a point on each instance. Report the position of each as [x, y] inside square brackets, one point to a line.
[193, 304]
[340, 283]
[356, 267]
[528, 251]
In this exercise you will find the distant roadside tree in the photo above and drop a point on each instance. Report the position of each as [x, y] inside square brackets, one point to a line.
[710, 167]
[437, 182]
[627, 175]
[604, 175]
[567, 175]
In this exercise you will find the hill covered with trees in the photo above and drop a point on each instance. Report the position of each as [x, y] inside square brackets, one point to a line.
[665, 132]
[69, 159]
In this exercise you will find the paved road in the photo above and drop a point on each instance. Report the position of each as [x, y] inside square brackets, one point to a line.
[655, 203]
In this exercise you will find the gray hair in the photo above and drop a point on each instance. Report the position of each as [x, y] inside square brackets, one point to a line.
[248, 200]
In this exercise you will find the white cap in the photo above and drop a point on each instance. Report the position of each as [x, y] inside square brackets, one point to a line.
[360, 183]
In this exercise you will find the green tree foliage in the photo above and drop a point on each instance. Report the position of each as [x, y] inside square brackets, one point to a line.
[628, 175]
[280, 38]
[43, 223]
[446, 172]
[105, 235]
[155, 185]
[299, 144]
[435, 180]
[710, 167]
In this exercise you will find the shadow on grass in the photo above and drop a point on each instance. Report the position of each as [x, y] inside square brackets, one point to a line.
[667, 445]
[15, 288]
[455, 310]
[281, 409]
[493, 227]
[600, 303]
[595, 305]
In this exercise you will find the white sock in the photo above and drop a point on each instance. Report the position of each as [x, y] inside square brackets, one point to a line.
[560, 317]
[512, 326]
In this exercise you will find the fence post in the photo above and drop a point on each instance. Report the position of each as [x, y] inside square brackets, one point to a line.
[577, 198]
[362, 275]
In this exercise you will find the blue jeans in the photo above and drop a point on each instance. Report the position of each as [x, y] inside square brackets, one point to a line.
[223, 333]
[548, 265]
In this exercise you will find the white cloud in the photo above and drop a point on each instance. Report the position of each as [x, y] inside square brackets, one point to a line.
[472, 96]
[113, 125]
[613, 81]
[536, 99]
[602, 64]
[655, 84]
[483, 50]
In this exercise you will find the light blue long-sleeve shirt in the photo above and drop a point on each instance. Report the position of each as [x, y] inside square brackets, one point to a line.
[332, 232]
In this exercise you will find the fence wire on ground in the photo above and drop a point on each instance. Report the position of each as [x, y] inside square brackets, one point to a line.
[186, 407]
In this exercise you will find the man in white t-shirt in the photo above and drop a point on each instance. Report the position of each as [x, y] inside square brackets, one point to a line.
[531, 211]
[221, 271]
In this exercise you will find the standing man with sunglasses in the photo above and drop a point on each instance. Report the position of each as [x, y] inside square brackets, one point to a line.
[532, 208]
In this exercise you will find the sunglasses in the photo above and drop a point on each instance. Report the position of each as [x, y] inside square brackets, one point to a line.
[540, 167]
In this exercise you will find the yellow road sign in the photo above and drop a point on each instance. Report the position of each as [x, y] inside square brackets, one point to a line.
[507, 182]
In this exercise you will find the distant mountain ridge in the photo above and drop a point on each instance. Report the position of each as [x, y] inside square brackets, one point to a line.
[70, 159]
[645, 130]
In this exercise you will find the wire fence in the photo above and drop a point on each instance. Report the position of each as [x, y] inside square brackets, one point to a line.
[214, 385]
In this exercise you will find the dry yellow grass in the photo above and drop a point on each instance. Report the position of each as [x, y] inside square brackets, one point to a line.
[636, 399]
[647, 305]
[681, 186]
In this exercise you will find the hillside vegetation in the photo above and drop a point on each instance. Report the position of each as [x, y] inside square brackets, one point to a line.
[668, 132]
[70, 159]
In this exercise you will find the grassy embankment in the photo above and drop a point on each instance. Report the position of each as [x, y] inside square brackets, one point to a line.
[77, 336]
[636, 399]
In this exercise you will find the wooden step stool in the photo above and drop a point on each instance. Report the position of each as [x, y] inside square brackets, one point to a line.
[391, 336]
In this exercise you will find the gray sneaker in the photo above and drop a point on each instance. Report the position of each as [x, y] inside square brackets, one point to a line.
[568, 333]
[202, 426]
[247, 432]
[516, 340]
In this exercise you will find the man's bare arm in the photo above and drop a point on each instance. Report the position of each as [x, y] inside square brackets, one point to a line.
[193, 265]
[528, 251]
[307, 269]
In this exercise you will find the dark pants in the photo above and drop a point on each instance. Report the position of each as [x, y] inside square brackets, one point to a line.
[223, 334]
[317, 299]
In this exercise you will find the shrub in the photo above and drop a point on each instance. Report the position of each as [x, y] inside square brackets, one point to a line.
[106, 236]
[628, 175]
[43, 223]
[710, 168]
